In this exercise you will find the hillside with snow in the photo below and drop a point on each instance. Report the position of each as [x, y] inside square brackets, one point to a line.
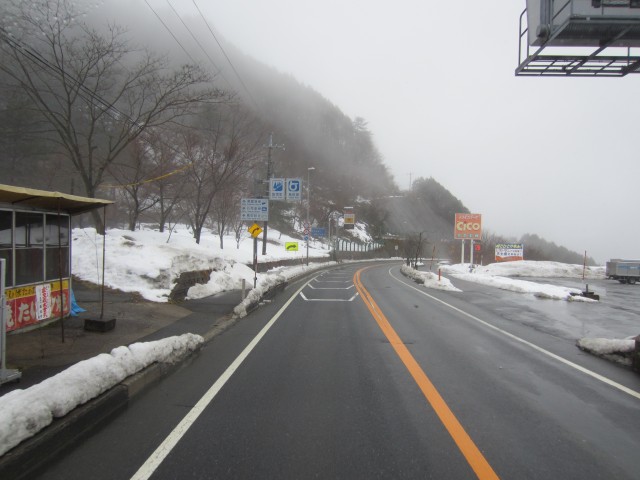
[149, 262]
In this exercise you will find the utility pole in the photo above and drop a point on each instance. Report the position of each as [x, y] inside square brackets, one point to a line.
[270, 147]
[308, 224]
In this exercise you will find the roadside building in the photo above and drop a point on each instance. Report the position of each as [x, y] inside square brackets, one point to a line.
[35, 242]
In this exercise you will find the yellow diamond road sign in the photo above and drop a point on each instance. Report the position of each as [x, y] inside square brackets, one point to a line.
[255, 230]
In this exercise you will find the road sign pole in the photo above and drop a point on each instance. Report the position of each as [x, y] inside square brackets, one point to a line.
[255, 261]
[270, 147]
[462, 252]
[308, 226]
[266, 224]
[471, 254]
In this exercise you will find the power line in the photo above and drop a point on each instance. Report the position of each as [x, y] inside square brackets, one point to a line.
[84, 92]
[171, 33]
[196, 40]
[226, 56]
[219, 70]
[149, 180]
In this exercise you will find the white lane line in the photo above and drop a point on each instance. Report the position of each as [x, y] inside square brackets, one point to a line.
[328, 299]
[157, 457]
[332, 281]
[332, 288]
[569, 363]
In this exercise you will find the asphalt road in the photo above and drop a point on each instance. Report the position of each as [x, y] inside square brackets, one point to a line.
[370, 376]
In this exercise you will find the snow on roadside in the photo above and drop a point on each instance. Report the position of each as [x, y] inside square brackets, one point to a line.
[228, 277]
[428, 279]
[273, 278]
[604, 346]
[149, 262]
[498, 275]
[23, 413]
[617, 350]
[530, 268]
[539, 290]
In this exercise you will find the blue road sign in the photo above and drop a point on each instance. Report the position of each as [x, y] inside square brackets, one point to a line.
[318, 232]
[294, 189]
[276, 189]
[254, 209]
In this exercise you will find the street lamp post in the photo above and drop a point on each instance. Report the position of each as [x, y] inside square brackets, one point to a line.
[308, 229]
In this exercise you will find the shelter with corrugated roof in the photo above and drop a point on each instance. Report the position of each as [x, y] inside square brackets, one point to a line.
[35, 243]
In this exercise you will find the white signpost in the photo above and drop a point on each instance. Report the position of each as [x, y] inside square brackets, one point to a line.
[254, 209]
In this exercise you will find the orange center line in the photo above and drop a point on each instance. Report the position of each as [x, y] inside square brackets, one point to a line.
[462, 439]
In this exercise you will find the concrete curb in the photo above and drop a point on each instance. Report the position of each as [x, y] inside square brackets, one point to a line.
[29, 456]
[32, 454]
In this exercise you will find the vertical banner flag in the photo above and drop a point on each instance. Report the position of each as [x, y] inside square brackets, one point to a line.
[467, 226]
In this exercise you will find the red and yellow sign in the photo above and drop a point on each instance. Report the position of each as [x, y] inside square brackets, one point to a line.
[31, 304]
[468, 226]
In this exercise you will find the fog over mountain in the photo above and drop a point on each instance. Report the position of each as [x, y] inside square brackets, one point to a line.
[341, 151]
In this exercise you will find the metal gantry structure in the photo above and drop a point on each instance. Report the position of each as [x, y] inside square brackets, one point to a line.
[584, 38]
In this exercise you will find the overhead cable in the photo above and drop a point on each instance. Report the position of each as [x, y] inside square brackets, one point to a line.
[226, 56]
[171, 33]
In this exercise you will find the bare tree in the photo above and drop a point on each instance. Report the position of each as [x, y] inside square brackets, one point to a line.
[218, 158]
[134, 172]
[414, 246]
[226, 210]
[238, 228]
[200, 159]
[97, 92]
[170, 179]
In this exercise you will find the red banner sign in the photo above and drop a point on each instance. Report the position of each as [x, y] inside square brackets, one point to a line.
[33, 304]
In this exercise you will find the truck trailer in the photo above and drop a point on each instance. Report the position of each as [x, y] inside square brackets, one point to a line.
[625, 271]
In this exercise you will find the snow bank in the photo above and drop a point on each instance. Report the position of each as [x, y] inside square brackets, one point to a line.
[428, 279]
[619, 351]
[607, 346]
[553, 292]
[23, 413]
[229, 277]
[497, 275]
[271, 279]
[150, 262]
[530, 268]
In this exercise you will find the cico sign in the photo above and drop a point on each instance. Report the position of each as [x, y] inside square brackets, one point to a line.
[467, 226]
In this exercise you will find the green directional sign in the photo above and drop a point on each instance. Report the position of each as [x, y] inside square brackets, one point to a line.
[291, 246]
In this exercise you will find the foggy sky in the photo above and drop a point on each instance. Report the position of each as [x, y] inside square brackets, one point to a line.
[435, 80]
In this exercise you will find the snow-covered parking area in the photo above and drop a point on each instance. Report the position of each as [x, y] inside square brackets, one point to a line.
[605, 328]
